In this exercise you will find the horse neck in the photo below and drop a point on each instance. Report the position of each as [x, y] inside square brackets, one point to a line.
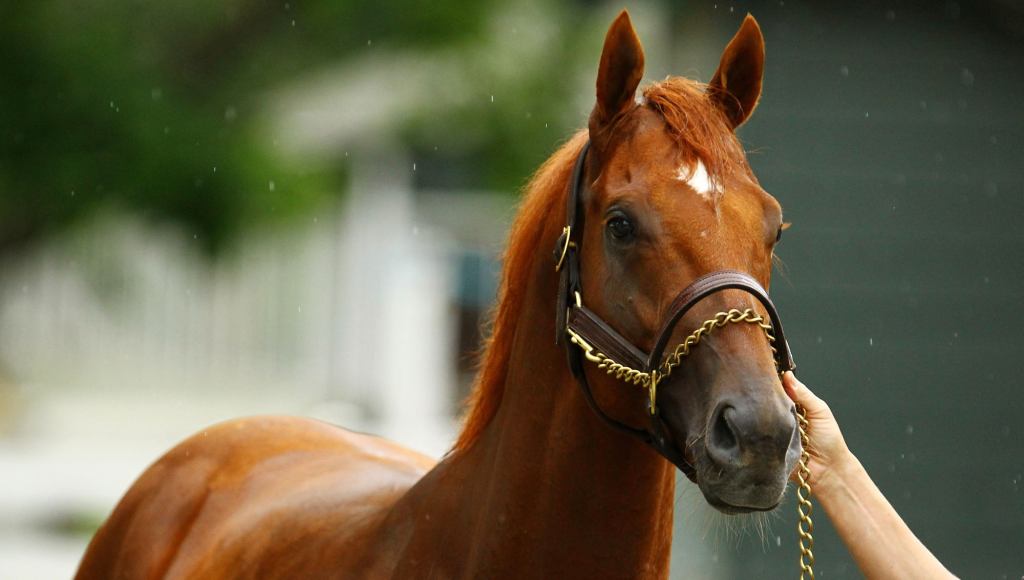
[548, 487]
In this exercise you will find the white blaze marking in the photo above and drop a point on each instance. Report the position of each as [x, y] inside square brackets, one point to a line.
[697, 178]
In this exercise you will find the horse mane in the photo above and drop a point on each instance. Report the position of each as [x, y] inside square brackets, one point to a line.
[697, 124]
[544, 193]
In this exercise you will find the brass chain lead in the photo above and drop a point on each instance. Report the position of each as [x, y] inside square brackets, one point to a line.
[642, 379]
[804, 527]
[721, 319]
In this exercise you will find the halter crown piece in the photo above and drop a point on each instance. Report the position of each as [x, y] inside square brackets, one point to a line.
[587, 337]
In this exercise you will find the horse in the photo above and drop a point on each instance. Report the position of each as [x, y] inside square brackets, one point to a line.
[536, 485]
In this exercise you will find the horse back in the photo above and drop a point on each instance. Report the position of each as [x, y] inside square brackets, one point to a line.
[256, 497]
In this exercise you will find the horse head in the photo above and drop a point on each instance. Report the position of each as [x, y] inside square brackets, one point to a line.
[668, 197]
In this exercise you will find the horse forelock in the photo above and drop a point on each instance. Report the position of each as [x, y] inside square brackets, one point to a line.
[544, 195]
[699, 126]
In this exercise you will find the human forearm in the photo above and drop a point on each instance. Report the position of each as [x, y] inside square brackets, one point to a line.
[880, 542]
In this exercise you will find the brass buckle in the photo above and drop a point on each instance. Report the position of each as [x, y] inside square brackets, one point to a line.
[566, 233]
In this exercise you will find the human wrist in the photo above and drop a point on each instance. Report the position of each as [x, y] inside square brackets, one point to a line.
[841, 470]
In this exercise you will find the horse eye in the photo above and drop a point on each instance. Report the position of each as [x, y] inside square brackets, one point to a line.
[778, 236]
[620, 227]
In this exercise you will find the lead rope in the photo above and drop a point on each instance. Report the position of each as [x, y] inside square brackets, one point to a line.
[805, 527]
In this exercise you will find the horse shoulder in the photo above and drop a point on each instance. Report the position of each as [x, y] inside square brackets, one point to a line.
[267, 496]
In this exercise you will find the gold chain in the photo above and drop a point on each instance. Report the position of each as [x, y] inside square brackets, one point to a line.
[609, 366]
[642, 379]
[805, 527]
[721, 319]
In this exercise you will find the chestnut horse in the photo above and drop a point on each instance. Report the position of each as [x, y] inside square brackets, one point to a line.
[536, 485]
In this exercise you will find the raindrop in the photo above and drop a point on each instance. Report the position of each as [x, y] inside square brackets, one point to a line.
[293, 24]
[871, 342]
[369, 42]
[492, 98]
[230, 114]
[844, 70]
[890, 15]
[298, 309]
[819, 340]
[910, 429]
[215, 169]
[156, 93]
[72, 193]
[195, 236]
[731, 9]
[271, 186]
[866, 114]
[778, 540]
[967, 77]
[414, 166]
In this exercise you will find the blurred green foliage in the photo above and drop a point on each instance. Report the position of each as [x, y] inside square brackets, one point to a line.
[153, 107]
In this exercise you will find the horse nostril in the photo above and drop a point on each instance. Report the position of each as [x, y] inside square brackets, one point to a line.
[722, 445]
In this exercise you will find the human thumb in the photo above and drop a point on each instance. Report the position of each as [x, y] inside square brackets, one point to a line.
[800, 393]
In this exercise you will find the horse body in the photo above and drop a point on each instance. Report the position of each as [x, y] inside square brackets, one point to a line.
[255, 497]
[536, 485]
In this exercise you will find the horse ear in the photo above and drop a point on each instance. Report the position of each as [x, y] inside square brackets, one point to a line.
[736, 86]
[620, 71]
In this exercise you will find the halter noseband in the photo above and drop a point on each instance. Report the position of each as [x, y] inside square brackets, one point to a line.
[588, 337]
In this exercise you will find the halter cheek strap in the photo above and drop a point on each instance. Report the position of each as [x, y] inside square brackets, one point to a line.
[588, 337]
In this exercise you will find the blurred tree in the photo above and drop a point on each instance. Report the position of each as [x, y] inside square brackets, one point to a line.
[151, 106]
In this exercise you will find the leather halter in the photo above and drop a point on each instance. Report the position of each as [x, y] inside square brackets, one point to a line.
[572, 316]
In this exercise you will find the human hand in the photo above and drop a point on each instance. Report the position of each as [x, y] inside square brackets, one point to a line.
[827, 447]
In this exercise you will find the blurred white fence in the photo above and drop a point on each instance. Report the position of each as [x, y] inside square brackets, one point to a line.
[119, 339]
